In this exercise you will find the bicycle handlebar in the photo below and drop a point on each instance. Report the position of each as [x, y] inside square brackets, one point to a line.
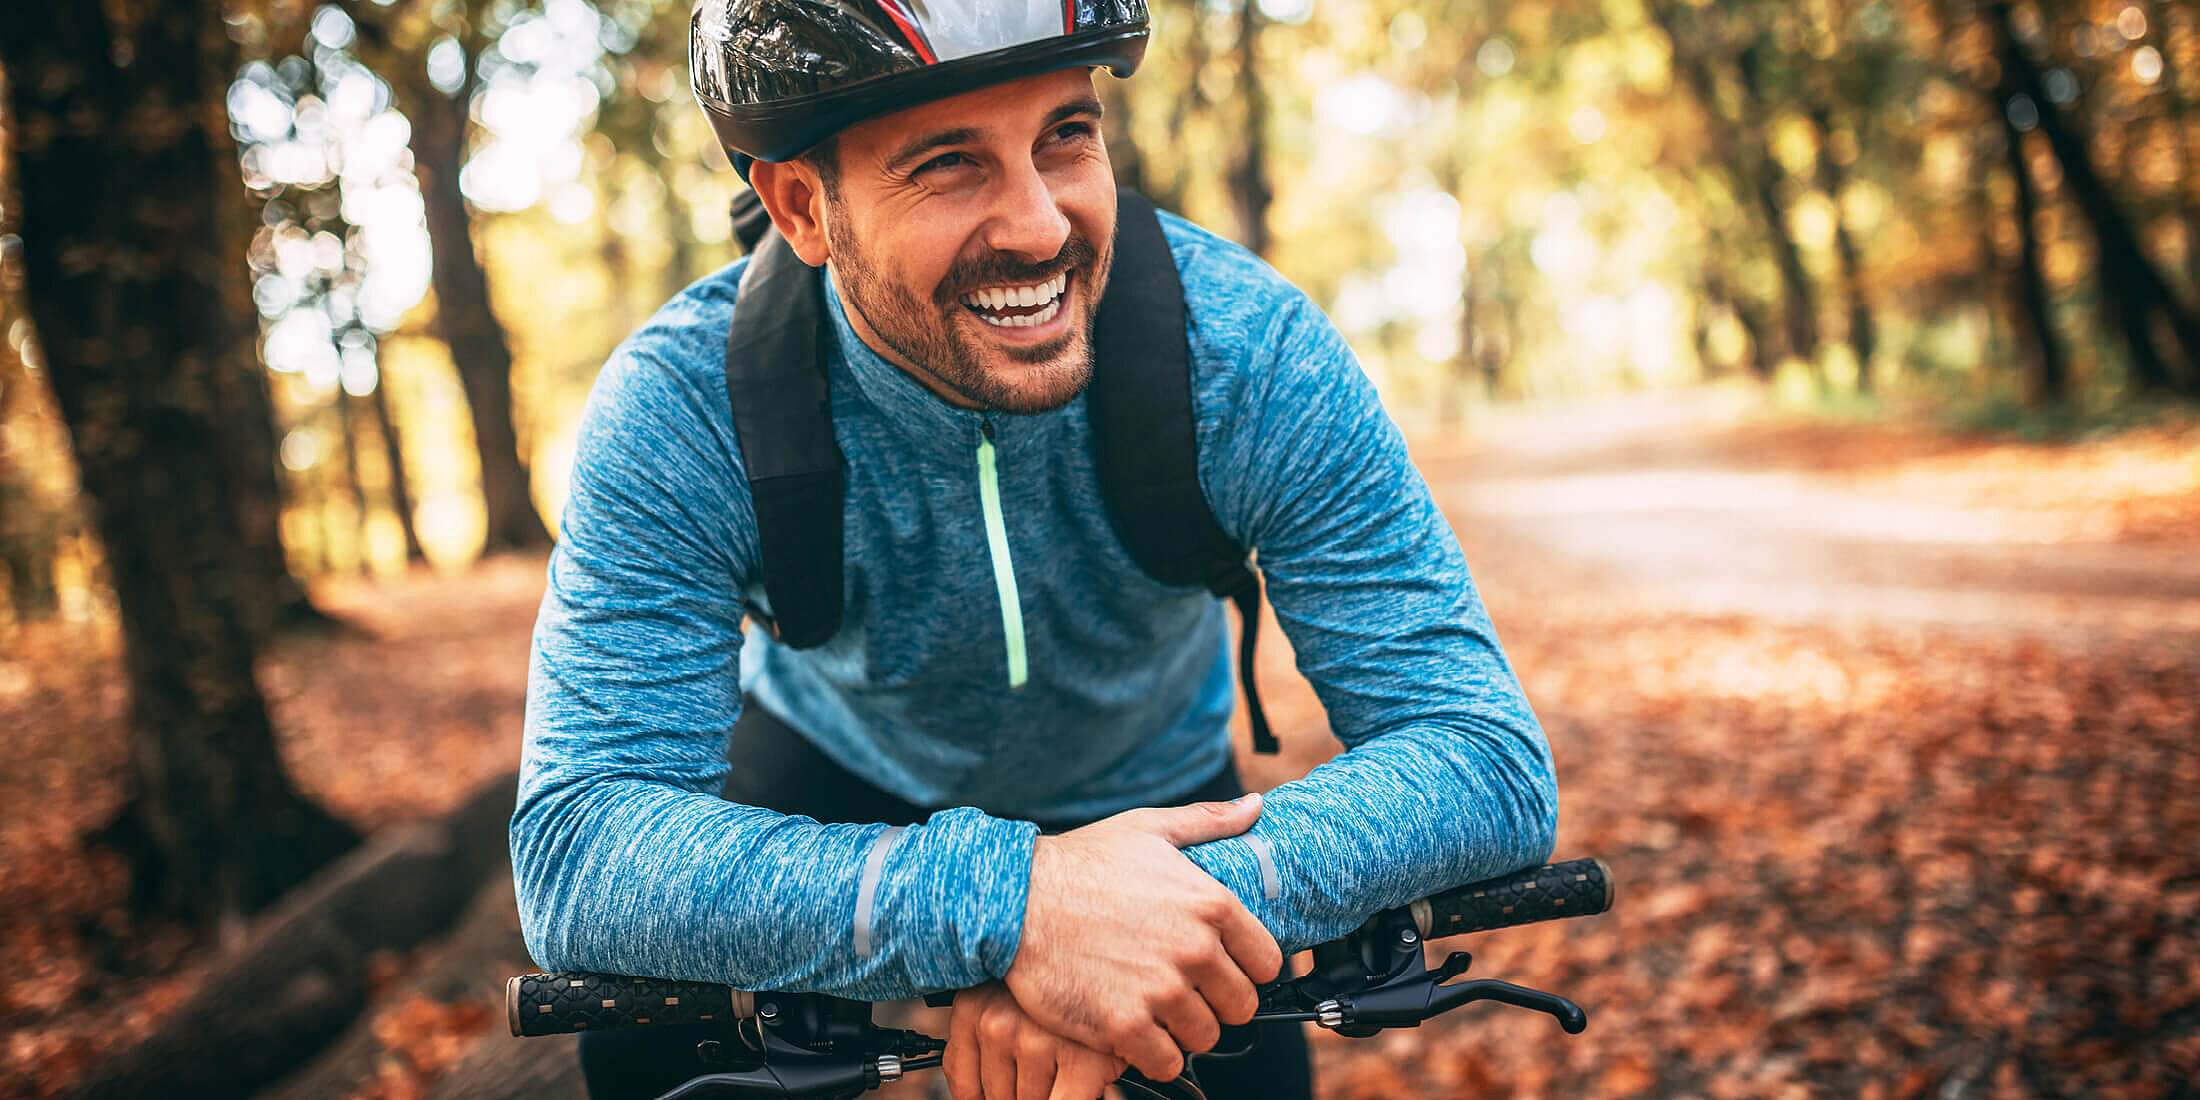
[557, 1004]
[1575, 888]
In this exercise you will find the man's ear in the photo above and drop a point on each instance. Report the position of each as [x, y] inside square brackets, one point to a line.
[795, 198]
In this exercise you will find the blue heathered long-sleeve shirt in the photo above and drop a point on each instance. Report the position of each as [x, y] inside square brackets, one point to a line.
[627, 860]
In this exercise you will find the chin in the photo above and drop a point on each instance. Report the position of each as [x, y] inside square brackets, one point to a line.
[1038, 387]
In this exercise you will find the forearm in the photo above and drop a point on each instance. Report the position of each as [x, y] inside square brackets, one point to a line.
[638, 877]
[1402, 816]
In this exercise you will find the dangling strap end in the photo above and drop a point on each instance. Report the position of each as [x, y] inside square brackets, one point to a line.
[1264, 740]
[1246, 594]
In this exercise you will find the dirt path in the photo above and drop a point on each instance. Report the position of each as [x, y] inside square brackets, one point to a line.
[1708, 509]
[1889, 741]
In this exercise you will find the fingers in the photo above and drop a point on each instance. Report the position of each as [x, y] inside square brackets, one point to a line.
[1227, 993]
[1148, 1046]
[1198, 823]
[1084, 1075]
[1249, 944]
[960, 1063]
[998, 1049]
[1036, 1056]
[1190, 1020]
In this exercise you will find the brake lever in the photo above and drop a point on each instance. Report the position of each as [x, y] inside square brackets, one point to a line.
[1408, 1003]
[1397, 989]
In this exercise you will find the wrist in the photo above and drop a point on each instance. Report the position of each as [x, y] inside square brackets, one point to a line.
[1039, 868]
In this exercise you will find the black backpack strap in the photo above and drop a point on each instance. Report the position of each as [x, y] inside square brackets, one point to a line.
[783, 413]
[1145, 443]
[750, 220]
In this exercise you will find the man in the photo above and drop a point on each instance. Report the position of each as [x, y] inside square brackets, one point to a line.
[1002, 665]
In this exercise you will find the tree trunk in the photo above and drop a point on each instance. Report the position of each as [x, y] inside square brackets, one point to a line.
[679, 243]
[1451, 399]
[393, 455]
[2165, 24]
[1756, 179]
[1250, 191]
[275, 600]
[464, 316]
[28, 534]
[1863, 333]
[30, 527]
[1798, 296]
[1752, 320]
[2050, 374]
[355, 491]
[123, 280]
[2132, 288]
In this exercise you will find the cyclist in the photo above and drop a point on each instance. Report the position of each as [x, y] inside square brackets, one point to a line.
[979, 781]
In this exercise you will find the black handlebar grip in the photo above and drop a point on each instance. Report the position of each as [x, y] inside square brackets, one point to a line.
[555, 1004]
[1575, 888]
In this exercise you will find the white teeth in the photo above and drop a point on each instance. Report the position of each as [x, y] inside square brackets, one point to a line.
[1048, 294]
[1026, 320]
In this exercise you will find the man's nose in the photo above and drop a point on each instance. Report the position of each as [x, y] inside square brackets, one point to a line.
[1026, 219]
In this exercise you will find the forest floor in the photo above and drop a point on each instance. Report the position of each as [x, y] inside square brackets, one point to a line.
[1891, 738]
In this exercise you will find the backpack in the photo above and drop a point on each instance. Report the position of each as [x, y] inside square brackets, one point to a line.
[1139, 406]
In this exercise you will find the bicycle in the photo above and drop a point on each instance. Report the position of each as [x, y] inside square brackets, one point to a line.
[816, 1046]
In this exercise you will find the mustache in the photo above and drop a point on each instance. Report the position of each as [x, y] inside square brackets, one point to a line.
[1000, 268]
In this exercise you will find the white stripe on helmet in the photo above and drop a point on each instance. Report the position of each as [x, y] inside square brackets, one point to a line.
[960, 28]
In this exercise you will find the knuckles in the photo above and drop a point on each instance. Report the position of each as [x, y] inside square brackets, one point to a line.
[1033, 1044]
[1123, 1030]
[999, 1024]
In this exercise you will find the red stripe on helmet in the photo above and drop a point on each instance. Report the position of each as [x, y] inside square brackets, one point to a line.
[1069, 16]
[909, 29]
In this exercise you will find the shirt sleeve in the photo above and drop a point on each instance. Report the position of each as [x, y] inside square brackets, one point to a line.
[625, 858]
[1446, 777]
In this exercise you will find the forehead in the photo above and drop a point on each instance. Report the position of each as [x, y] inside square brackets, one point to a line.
[1010, 108]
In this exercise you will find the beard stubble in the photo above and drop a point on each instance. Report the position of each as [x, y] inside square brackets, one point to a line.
[926, 334]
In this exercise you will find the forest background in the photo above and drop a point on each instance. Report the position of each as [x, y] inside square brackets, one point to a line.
[300, 304]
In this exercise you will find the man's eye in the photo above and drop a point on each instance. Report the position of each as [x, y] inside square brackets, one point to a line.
[941, 163]
[1073, 131]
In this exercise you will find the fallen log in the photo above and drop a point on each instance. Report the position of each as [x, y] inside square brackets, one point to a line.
[301, 975]
[460, 979]
[503, 1068]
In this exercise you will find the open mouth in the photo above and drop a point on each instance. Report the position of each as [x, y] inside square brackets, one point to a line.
[1018, 306]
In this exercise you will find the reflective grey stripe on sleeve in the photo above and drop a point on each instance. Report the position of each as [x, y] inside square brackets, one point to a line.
[867, 888]
[1271, 887]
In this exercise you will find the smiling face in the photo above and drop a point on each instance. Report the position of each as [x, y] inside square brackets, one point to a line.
[970, 237]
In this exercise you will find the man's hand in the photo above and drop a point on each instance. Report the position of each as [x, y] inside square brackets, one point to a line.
[1130, 948]
[995, 1051]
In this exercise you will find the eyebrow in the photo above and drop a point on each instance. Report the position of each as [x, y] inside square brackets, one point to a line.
[924, 143]
[1082, 105]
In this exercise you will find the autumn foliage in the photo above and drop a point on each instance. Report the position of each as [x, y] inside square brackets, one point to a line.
[1855, 858]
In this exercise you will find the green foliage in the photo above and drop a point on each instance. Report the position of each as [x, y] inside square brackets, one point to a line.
[2006, 414]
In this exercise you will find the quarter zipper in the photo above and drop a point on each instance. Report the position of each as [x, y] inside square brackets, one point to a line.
[1004, 570]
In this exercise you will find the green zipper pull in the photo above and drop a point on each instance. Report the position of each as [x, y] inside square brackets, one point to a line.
[1004, 570]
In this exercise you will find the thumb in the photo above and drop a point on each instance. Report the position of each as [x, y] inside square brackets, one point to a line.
[1200, 822]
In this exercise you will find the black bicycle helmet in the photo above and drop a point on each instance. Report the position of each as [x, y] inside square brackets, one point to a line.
[778, 76]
